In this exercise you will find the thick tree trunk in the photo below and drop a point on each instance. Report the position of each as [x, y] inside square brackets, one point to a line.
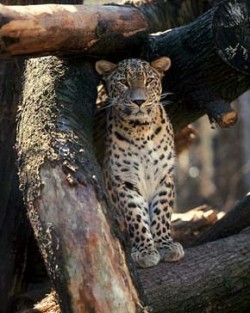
[63, 189]
[15, 229]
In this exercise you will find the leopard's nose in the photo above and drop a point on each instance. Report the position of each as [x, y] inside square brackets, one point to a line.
[139, 102]
[138, 95]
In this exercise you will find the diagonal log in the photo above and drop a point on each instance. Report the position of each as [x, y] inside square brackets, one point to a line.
[63, 189]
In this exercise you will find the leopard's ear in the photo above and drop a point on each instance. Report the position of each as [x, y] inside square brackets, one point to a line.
[162, 64]
[104, 67]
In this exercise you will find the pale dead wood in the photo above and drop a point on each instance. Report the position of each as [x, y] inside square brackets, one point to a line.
[237, 219]
[189, 226]
[71, 28]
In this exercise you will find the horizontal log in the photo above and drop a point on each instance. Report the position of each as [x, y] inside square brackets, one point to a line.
[88, 29]
[45, 29]
[214, 277]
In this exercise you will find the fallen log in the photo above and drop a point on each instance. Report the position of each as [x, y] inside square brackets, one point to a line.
[88, 29]
[214, 277]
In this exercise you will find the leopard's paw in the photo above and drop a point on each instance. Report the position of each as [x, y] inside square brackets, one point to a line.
[146, 258]
[171, 252]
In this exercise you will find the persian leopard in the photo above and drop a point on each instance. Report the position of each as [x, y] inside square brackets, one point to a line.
[139, 161]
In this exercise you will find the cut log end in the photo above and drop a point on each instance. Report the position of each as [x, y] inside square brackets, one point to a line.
[227, 119]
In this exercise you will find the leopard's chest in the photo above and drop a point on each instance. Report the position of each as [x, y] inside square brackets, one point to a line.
[143, 160]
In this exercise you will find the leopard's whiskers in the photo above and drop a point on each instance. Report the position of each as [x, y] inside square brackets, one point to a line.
[165, 94]
[110, 104]
[164, 103]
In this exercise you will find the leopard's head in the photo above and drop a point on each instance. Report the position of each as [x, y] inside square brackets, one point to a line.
[134, 86]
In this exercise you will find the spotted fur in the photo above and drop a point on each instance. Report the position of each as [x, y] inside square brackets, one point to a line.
[139, 162]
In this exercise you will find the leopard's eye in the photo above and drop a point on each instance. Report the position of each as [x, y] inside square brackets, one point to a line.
[150, 80]
[124, 82]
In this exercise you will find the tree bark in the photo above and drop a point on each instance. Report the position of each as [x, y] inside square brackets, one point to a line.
[203, 73]
[63, 189]
[15, 229]
[99, 30]
[212, 278]
[79, 29]
[204, 77]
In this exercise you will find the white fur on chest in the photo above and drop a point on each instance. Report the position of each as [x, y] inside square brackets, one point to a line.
[152, 167]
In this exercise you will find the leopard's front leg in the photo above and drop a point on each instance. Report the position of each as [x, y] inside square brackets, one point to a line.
[136, 214]
[161, 208]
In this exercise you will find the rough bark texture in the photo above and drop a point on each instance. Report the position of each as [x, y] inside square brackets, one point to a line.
[63, 189]
[203, 73]
[15, 230]
[214, 277]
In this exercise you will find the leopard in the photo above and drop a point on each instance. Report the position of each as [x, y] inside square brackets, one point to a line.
[140, 157]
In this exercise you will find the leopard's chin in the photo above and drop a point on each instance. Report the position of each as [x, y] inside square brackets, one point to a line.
[142, 119]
